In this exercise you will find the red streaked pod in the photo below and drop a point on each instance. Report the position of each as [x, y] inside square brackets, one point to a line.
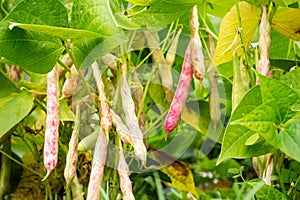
[71, 84]
[106, 120]
[123, 171]
[97, 171]
[181, 93]
[197, 57]
[72, 156]
[52, 122]
[132, 122]
[264, 43]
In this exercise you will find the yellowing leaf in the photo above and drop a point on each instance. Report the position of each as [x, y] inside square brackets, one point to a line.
[140, 2]
[180, 174]
[229, 40]
[287, 23]
[181, 177]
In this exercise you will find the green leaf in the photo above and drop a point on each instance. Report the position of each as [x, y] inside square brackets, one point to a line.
[229, 39]
[292, 79]
[120, 19]
[66, 113]
[161, 13]
[218, 8]
[268, 192]
[261, 120]
[252, 139]
[289, 140]
[7, 86]
[287, 23]
[33, 51]
[239, 130]
[94, 16]
[14, 111]
[285, 97]
[58, 32]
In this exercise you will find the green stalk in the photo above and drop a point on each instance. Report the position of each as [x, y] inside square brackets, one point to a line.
[159, 188]
[241, 34]
[5, 168]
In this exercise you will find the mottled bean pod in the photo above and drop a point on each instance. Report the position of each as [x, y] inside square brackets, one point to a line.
[52, 122]
[97, 171]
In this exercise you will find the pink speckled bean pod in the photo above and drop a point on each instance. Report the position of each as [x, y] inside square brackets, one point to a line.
[125, 182]
[264, 44]
[197, 57]
[132, 122]
[72, 156]
[97, 171]
[71, 83]
[52, 122]
[181, 93]
[106, 120]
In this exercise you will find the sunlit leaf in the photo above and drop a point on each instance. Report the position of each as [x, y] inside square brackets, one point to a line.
[229, 38]
[289, 140]
[287, 23]
[14, 111]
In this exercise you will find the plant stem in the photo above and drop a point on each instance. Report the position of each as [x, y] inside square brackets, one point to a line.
[159, 188]
[5, 168]
[24, 166]
[241, 34]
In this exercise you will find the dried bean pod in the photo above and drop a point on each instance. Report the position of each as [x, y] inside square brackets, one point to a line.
[97, 171]
[197, 57]
[125, 182]
[52, 122]
[181, 93]
[13, 72]
[264, 44]
[214, 98]
[171, 54]
[110, 60]
[71, 84]
[138, 96]
[132, 122]
[106, 120]
[165, 72]
[121, 128]
[72, 156]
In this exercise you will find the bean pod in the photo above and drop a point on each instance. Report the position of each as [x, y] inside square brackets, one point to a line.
[106, 120]
[52, 122]
[264, 44]
[125, 182]
[72, 156]
[71, 84]
[132, 122]
[97, 171]
[181, 93]
[197, 57]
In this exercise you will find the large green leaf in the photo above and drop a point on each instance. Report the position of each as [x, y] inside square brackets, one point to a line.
[93, 16]
[289, 140]
[237, 133]
[161, 13]
[285, 98]
[7, 86]
[13, 111]
[218, 7]
[57, 32]
[292, 79]
[33, 51]
[229, 38]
